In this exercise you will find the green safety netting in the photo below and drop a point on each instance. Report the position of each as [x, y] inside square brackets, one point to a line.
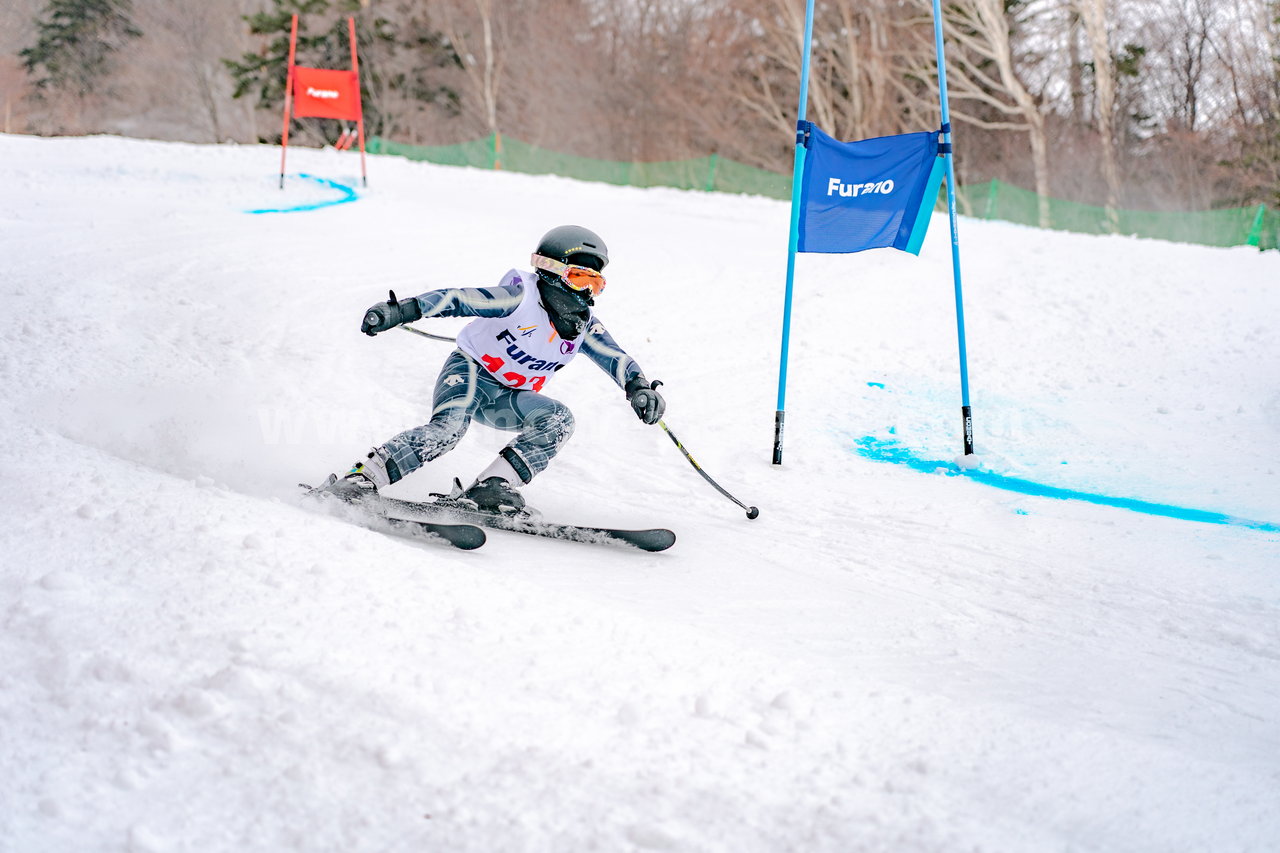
[1238, 226]
[1252, 226]
[713, 173]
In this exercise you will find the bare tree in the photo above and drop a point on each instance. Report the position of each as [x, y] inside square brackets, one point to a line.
[1093, 13]
[1192, 43]
[987, 80]
[17, 26]
[768, 81]
[469, 27]
[558, 66]
[184, 48]
[1075, 78]
[861, 80]
[1250, 54]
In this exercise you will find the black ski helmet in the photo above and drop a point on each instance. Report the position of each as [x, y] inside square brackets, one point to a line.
[573, 244]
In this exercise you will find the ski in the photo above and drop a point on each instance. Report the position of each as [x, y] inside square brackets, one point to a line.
[461, 535]
[466, 537]
[655, 539]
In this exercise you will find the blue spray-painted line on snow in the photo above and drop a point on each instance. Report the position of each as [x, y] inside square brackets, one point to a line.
[348, 195]
[884, 450]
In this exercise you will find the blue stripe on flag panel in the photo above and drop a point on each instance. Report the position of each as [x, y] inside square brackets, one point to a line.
[866, 194]
[925, 212]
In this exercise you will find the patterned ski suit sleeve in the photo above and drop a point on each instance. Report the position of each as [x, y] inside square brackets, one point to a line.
[471, 301]
[601, 348]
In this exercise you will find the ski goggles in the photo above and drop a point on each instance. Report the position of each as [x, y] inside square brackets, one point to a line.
[576, 277]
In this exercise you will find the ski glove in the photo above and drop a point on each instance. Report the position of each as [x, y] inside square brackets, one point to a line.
[389, 314]
[645, 399]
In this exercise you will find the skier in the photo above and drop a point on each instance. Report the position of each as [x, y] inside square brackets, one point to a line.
[526, 329]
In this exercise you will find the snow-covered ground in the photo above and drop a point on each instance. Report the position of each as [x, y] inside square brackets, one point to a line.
[886, 660]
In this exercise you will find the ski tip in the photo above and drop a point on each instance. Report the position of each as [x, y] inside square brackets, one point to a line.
[470, 542]
[653, 540]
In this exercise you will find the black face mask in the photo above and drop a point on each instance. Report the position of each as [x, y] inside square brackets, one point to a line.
[569, 309]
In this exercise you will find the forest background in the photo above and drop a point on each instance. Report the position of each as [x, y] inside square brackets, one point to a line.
[1153, 104]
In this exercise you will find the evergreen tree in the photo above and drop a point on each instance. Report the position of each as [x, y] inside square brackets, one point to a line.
[398, 55]
[74, 43]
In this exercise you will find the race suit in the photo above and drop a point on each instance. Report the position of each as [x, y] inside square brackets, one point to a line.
[495, 376]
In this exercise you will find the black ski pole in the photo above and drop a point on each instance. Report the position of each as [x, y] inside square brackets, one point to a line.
[752, 512]
[427, 334]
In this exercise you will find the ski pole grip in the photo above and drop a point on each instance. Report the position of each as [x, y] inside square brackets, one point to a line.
[655, 383]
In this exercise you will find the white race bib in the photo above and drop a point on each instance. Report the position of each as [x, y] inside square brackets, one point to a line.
[521, 350]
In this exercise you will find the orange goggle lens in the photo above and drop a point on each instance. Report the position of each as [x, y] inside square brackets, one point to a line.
[576, 277]
[583, 278]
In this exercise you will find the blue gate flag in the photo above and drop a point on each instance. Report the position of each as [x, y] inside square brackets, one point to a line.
[870, 194]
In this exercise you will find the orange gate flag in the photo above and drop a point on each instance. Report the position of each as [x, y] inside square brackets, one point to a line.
[325, 93]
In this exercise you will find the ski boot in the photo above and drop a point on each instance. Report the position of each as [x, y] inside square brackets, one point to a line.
[361, 482]
[493, 495]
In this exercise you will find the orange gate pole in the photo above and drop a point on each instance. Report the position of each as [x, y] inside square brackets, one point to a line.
[288, 97]
[355, 66]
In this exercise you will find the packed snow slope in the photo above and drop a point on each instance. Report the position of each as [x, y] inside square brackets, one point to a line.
[886, 660]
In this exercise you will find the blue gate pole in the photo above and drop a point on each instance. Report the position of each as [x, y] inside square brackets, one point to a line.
[797, 176]
[966, 412]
